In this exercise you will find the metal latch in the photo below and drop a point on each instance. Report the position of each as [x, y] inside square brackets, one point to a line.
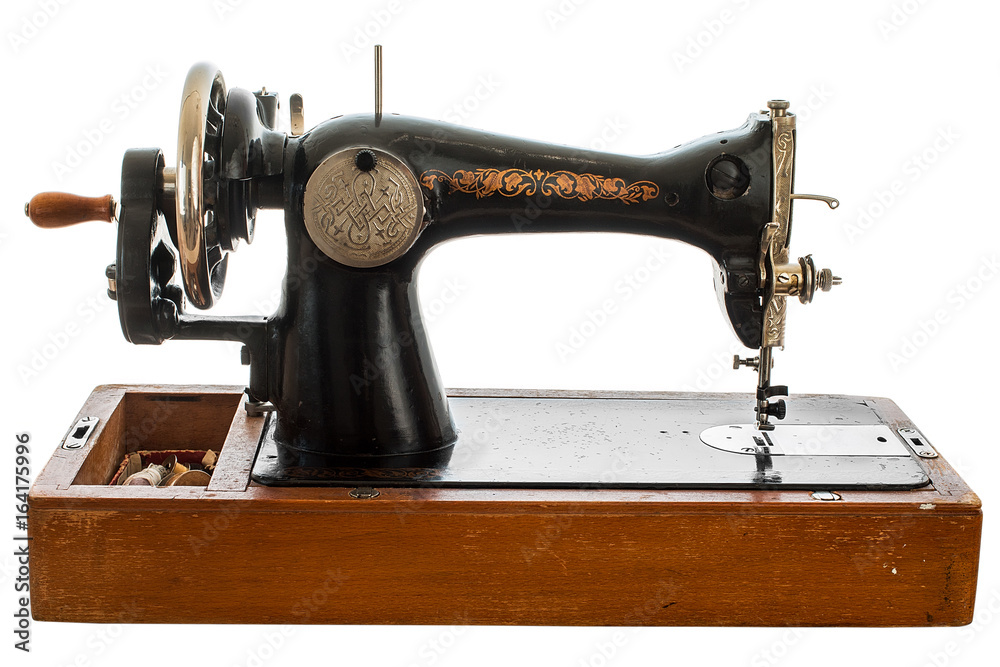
[79, 434]
[918, 442]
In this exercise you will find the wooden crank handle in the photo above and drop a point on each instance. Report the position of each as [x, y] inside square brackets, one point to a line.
[52, 210]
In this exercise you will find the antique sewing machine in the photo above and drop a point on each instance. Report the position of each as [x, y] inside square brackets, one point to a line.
[345, 450]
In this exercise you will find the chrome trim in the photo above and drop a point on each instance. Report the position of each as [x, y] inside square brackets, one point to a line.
[80, 433]
[378, 84]
[296, 114]
[188, 196]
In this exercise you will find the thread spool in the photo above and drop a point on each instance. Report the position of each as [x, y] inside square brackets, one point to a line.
[189, 478]
[152, 475]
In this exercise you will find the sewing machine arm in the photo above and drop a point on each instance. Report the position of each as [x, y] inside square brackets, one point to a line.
[344, 361]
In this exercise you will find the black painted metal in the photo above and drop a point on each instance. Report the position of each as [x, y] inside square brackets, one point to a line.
[146, 259]
[345, 359]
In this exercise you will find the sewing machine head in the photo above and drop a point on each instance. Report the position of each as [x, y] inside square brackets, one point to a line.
[344, 362]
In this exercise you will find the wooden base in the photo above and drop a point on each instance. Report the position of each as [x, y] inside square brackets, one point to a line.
[236, 552]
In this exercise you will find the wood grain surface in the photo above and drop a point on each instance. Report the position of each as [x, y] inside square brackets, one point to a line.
[236, 552]
[51, 210]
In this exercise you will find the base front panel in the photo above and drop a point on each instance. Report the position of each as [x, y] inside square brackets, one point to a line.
[240, 552]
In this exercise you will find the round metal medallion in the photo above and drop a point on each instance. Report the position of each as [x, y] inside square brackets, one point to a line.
[363, 217]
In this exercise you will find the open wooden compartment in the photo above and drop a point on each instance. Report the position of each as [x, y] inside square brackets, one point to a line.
[134, 418]
[495, 556]
[155, 421]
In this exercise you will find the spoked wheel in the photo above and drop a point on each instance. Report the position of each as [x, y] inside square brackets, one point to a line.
[199, 137]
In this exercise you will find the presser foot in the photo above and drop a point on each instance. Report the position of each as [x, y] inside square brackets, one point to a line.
[765, 408]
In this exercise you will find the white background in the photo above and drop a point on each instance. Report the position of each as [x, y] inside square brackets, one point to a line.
[876, 83]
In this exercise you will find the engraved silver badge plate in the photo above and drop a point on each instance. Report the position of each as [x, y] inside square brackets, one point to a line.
[363, 218]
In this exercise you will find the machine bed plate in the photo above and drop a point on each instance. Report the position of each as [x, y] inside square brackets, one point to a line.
[830, 442]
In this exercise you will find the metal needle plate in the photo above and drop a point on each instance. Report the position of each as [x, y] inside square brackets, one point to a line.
[807, 440]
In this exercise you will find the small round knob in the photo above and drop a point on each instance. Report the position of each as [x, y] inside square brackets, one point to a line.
[778, 107]
[778, 409]
[827, 280]
[365, 160]
[110, 273]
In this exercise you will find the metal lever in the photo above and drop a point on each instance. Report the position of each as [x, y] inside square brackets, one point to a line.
[297, 115]
[832, 202]
[779, 277]
[766, 237]
[779, 281]
[378, 84]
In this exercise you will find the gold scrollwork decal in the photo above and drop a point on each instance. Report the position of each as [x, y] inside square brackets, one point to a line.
[783, 146]
[774, 321]
[564, 184]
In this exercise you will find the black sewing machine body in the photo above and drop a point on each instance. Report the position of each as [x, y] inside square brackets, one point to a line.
[350, 368]
[345, 361]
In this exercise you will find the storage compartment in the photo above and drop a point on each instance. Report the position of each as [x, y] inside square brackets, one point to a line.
[173, 461]
[157, 422]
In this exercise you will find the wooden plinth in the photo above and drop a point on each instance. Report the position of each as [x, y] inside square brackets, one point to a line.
[236, 552]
